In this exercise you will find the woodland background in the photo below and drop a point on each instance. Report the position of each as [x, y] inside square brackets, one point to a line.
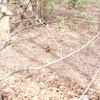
[49, 49]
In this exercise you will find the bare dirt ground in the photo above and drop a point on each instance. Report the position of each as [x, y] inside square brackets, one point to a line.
[63, 80]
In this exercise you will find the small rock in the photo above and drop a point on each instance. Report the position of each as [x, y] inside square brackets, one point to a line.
[85, 97]
[74, 99]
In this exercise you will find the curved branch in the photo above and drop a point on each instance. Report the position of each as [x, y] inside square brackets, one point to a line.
[47, 65]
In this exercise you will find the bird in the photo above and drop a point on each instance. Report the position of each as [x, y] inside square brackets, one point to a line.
[48, 49]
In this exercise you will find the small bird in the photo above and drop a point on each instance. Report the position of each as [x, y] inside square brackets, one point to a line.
[48, 49]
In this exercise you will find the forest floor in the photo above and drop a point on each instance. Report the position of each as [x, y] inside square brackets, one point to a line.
[63, 80]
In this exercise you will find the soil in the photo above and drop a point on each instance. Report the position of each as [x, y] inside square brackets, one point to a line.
[63, 80]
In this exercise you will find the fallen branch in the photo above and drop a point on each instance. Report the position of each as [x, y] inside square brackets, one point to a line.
[88, 86]
[47, 65]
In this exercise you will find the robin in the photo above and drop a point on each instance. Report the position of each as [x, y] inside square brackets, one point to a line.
[48, 49]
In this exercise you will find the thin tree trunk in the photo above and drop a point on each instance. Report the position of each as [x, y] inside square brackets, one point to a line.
[4, 25]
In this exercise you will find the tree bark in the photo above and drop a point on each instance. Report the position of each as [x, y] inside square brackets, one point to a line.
[4, 25]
